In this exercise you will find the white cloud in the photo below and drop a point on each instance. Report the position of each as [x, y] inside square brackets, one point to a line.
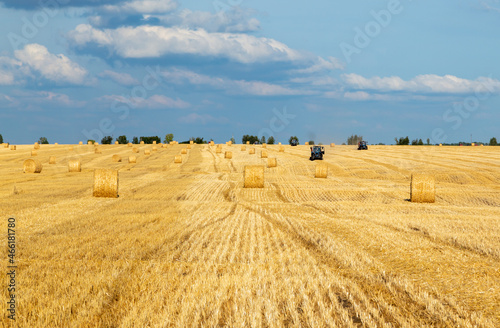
[120, 78]
[321, 65]
[142, 7]
[429, 83]
[156, 41]
[153, 102]
[256, 88]
[12, 71]
[58, 68]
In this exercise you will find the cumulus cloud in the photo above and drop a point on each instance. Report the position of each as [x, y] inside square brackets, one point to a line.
[120, 78]
[153, 102]
[321, 65]
[57, 68]
[142, 7]
[429, 83]
[157, 41]
[256, 88]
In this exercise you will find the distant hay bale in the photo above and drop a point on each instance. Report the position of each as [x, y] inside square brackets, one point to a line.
[189, 146]
[155, 148]
[98, 150]
[332, 145]
[135, 150]
[129, 144]
[34, 153]
[282, 149]
[271, 162]
[422, 189]
[12, 147]
[178, 159]
[218, 150]
[248, 142]
[52, 160]
[57, 144]
[116, 158]
[254, 176]
[74, 165]
[132, 159]
[6, 145]
[105, 183]
[228, 155]
[279, 143]
[96, 144]
[473, 144]
[264, 145]
[440, 145]
[154, 142]
[184, 151]
[243, 148]
[306, 143]
[70, 148]
[117, 143]
[80, 143]
[32, 166]
[321, 171]
[165, 145]
[36, 145]
[263, 154]
[251, 151]
[147, 152]
[191, 142]
[142, 142]
[89, 142]
[229, 143]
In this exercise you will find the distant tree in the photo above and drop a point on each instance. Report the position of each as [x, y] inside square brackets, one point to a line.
[249, 138]
[149, 140]
[354, 139]
[107, 140]
[43, 141]
[428, 141]
[403, 141]
[293, 139]
[135, 140]
[343, 144]
[122, 140]
[199, 140]
[493, 142]
[1, 139]
[414, 142]
[263, 140]
[232, 140]
[420, 142]
[311, 142]
[169, 137]
[270, 140]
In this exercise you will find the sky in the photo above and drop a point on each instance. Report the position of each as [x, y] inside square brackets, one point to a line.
[73, 70]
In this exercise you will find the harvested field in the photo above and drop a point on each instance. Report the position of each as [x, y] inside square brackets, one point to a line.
[186, 245]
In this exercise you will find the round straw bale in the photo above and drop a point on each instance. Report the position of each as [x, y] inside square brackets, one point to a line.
[155, 148]
[229, 143]
[248, 142]
[74, 165]
[165, 146]
[142, 142]
[147, 152]
[89, 142]
[12, 147]
[70, 148]
[34, 153]
[52, 160]
[321, 170]
[191, 142]
[116, 158]
[135, 150]
[105, 183]
[243, 148]
[218, 150]
[251, 151]
[97, 150]
[32, 166]
[154, 142]
[440, 145]
[57, 144]
[6, 145]
[271, 162]
[264, 145]
[96, 144]
[228, 155]
[282, 149]
[332, 145]
[129, 144]
[254, 176]
[80, 143]
[132, 159]
[188, 146]
[36, 146]
[263, 154]
[178, 159]
[117, 143]
[473, 144]
[422, 189]
[279, 143]
[184, 151]
[306, 143]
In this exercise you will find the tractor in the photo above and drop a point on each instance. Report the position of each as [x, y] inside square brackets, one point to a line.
[317, 152]
[362, 145]
[294, 142]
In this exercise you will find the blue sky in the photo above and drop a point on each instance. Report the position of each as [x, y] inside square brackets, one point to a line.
[71, 70]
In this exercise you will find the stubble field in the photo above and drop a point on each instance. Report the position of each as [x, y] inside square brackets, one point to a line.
[185, 245]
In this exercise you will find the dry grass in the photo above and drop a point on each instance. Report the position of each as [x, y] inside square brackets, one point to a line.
[187, 245]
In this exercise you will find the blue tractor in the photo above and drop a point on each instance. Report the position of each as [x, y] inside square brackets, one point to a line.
[317, 152]
[362, 145]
